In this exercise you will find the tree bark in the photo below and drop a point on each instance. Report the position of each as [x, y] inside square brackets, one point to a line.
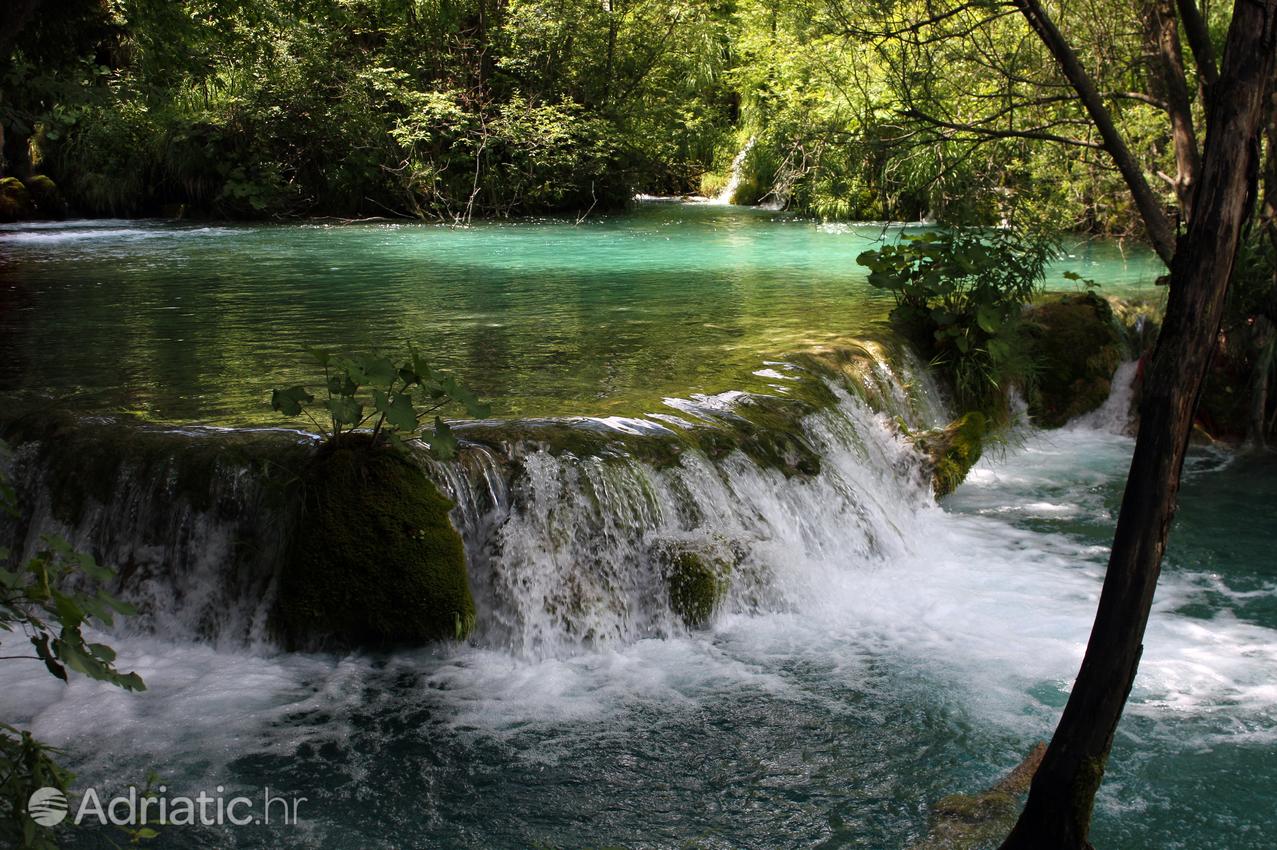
[1058, 811]
[1160, 232]
[1179, 107]
[1199, 42]
[1257, 428]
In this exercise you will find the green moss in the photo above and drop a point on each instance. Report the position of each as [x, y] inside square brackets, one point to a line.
[15, 200]
[88, 462]
[766, 429]
[1077, 344]
[46, 199]
[375, 560]
[697, 580]
[983, 820]
[953, 450]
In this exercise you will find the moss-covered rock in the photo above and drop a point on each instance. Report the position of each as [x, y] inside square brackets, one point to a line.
[88, 463]
[15, 200]
[375, 560]
[1078, 345]
[976, 821]
[696, 577]
[46, 198]
[1224, 410]
[952, 451]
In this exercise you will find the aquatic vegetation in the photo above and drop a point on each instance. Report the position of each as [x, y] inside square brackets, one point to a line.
[960, 295]
[697, 577]
[952, 451]
[362, 390]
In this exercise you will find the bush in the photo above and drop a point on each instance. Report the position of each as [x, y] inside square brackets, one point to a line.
[959, 295]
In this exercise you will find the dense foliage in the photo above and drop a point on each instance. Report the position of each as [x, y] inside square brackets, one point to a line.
[443, 109]
[460, 108]
[960, 294]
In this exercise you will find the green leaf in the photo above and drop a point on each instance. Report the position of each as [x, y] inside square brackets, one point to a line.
[289, 401]
[988, 319]
[344, 410]
[400, 413]
[45, 654]
[443, 445]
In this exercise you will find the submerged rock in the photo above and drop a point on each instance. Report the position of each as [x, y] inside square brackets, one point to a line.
[974, 821]
[375, 559]
[697, 578]
[952, 451]
[1078, 344]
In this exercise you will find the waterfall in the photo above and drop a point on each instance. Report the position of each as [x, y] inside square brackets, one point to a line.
[728, 194]
[1114, 416]
[567, 523]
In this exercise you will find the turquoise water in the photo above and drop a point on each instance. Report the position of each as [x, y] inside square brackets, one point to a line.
[897, 651]
[191, 323]
[835, 721]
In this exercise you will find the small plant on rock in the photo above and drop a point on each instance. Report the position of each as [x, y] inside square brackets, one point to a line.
[370, 391]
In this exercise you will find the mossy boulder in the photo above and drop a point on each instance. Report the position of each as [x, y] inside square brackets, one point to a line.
[46, 198]
[375, 560]
[697, 579]
[952, 451]
[1224, 409]
[975, 821]
[1077, 344]
[15, 200]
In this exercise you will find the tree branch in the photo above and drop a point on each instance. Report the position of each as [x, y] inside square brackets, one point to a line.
[1160, 232]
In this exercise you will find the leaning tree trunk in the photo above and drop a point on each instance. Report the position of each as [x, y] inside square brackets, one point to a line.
[1058, 812]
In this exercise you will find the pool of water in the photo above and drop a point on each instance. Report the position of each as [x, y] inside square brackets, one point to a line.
[886, 682]
[905, 650]
[196, 323]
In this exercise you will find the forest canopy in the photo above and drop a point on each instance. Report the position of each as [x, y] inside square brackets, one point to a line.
[452, 109]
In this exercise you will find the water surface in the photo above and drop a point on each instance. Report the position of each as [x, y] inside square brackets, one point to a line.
[195, 323]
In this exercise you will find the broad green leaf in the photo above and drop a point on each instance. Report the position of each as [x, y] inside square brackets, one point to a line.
[400, 413]
[443, 444]
[344, 410]
[289, 401]
[988, 319]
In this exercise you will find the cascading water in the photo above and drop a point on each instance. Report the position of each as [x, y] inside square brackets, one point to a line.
[873, 653]
[728, 194]
[563, 546]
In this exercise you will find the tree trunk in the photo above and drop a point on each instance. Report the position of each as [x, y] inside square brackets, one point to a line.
[1058, 811]
[1257, 429]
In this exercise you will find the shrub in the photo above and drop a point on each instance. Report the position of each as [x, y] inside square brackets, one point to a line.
[959, 295]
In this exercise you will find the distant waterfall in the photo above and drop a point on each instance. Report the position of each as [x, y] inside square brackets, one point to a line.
[726, 196]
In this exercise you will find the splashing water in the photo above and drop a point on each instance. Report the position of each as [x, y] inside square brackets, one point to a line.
[876, 652]
[728, 194]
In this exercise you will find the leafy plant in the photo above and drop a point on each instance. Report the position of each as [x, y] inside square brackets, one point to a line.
[38, 606]
[961, 294]
[362, 390]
